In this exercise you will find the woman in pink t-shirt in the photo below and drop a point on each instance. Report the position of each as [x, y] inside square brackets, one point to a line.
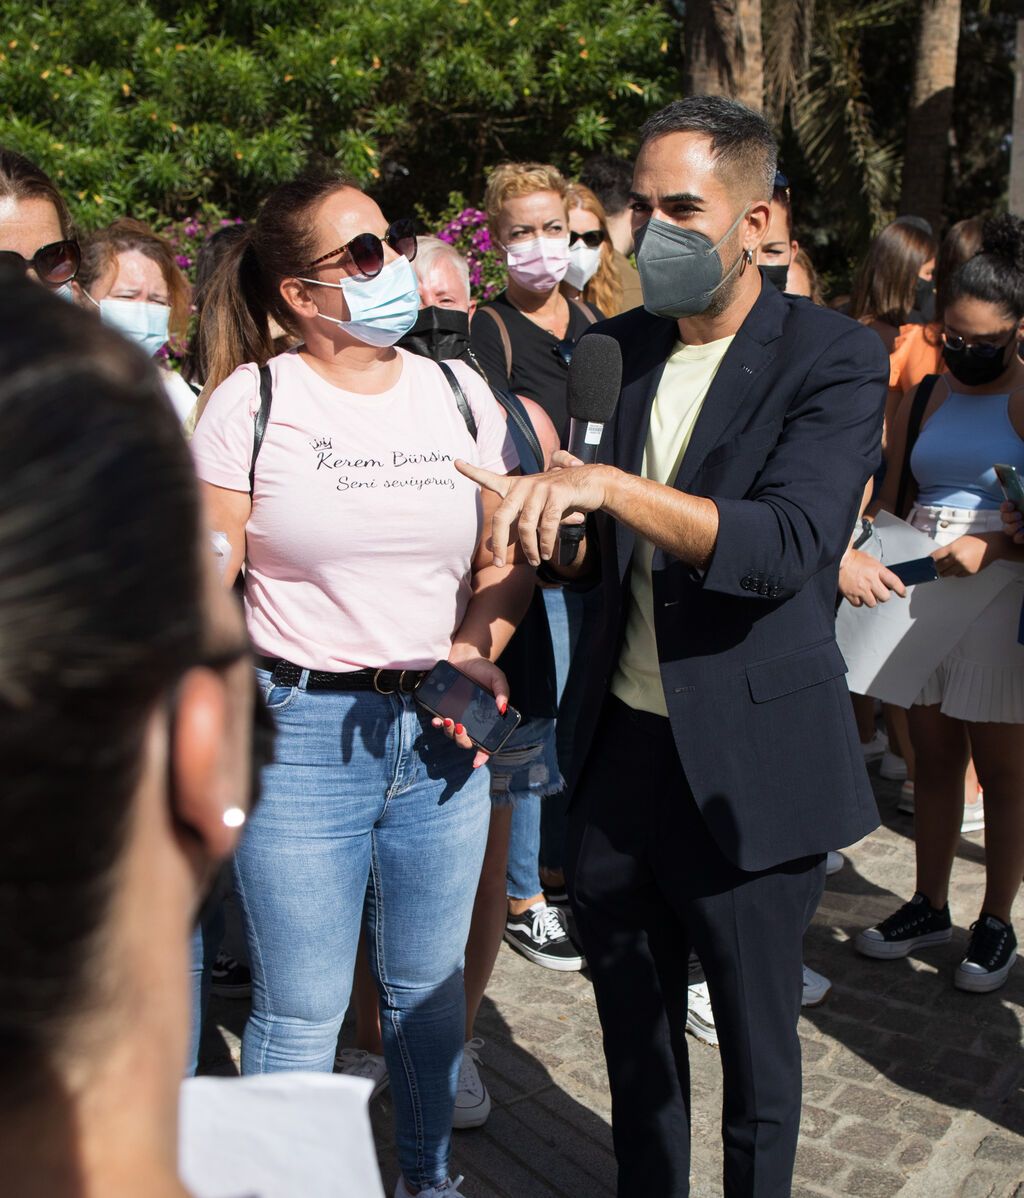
[364, 565]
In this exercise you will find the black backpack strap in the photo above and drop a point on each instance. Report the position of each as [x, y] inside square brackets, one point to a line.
[460, 398]
[262, 420]
[924, 392]
[524, 436]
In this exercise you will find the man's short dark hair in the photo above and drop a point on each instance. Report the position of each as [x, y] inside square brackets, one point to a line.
[610, 179]
[741, 140]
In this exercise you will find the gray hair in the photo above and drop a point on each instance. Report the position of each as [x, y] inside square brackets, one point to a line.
[429, 249]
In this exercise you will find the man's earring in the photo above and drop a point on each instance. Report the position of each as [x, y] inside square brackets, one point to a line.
[234, 817]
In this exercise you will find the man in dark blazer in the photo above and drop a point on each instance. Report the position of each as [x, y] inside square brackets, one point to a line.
[717, 756]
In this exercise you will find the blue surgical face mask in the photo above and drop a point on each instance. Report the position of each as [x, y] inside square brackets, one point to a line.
[383, 309]
[139, 321]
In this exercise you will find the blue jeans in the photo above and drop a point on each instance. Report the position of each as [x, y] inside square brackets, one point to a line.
[206, 940]
[523, 773]
[366, 803]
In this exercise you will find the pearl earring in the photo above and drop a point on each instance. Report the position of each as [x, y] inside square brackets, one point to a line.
[234, 817]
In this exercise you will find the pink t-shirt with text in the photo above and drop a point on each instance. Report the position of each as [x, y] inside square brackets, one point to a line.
[362, 533]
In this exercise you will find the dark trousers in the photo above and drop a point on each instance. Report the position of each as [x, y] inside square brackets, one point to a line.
[648, 883]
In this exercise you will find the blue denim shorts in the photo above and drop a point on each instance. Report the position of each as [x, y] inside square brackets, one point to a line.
[526, 765]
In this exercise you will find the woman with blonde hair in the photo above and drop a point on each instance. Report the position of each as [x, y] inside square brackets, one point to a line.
[525, 336]
[591, 275]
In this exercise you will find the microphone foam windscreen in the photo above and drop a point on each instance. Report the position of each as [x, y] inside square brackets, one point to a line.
[595, 377]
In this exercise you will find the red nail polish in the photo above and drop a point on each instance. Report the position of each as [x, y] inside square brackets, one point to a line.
[459, 729]
[503, 706]
[448, 723]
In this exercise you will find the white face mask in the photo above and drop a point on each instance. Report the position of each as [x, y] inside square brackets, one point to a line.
[138, 320]
[583, 264]
[382, 309]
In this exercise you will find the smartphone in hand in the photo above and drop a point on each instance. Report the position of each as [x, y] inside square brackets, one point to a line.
[1011, 484]
[918, 570]
[452, 695]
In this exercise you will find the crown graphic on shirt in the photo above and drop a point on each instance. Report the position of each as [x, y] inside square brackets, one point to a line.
[321, 443]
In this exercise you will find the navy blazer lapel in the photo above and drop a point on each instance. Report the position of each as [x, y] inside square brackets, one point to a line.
[641, 375]
[749, 354]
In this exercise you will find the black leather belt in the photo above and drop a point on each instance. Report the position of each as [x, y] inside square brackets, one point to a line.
[384, 682]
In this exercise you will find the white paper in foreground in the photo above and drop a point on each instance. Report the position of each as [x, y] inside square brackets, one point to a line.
[893, 649]
[279, 1135]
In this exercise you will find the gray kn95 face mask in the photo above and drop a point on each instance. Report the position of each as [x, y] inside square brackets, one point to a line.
[680, 269]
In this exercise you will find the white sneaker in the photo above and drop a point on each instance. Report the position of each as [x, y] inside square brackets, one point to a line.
[816, 988]
[700, 1018]
[447, 1189]
[355, 1062]
[834, 863]
[472, 1102]
[974, 813]
[892, 767]
[875, 747]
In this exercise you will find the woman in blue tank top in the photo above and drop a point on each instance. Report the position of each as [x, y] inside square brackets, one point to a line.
[974, 418]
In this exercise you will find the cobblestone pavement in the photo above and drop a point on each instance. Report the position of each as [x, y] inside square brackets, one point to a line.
[911, 1087]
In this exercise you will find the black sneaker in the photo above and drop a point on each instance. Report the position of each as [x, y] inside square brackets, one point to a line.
[914, 924]
[541, 935]
[230, 978]
[990, 956]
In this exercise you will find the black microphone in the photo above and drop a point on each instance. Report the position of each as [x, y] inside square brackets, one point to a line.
[595, 378]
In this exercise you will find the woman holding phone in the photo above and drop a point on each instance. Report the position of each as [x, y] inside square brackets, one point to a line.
[973, 417]
[364, 566]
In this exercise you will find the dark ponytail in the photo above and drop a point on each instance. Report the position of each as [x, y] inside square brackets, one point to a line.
[244, 293]
[995, 275]
[100, 614]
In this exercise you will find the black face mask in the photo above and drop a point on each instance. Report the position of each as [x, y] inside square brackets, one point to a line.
[776, 275]
[924, 299]
[973, 370]
[439, 333]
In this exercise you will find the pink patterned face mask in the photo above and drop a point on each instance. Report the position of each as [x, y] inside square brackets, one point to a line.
[540, 263]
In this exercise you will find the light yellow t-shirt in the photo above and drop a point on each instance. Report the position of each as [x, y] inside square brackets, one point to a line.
[688, 374]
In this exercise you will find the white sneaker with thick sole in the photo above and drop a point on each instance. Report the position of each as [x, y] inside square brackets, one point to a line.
[816, 988]
[892, 767]
[472, 1102]
[700, 1018]
[834, 863]
[356, 1062]
[447, 1189]
[875, 747]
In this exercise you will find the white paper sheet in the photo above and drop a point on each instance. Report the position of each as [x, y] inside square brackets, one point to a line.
[278, 1135]
[893, 649]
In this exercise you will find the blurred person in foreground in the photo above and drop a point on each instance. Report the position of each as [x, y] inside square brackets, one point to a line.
[610, 179]
[126, 735]
[722, 500]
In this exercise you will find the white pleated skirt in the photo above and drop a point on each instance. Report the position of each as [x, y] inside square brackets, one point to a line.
[981, 680]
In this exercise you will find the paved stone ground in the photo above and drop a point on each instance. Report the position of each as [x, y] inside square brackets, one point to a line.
[911, 1087]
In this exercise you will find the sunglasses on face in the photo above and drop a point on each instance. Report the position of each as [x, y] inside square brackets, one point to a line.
[55, 264]
[980, 349]
[591, 239]
[367, 250]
